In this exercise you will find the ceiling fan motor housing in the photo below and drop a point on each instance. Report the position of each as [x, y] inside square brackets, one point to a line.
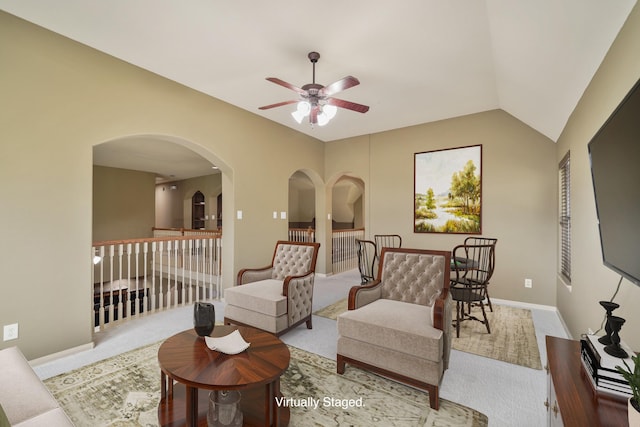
[314, 56]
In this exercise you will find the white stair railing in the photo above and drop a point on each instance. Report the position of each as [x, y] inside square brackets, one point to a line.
[138, 276]
[302, 235]
[344, 249]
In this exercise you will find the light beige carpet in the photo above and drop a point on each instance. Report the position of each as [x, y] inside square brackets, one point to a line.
[125, 391]
[512, 338]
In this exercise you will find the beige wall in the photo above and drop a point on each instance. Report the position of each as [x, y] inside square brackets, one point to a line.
[174, 206]
[59, 99]
[123, 204]
[591, 281]
[519, 193]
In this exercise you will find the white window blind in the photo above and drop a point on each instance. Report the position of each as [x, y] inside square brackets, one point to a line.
[565, 218]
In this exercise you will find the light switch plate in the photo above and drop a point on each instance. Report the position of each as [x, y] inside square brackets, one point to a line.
[10, 332]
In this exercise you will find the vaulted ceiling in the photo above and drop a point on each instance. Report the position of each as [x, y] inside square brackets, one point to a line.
[417, 60]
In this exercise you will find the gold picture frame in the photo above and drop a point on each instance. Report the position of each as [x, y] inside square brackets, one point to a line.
[448, 191]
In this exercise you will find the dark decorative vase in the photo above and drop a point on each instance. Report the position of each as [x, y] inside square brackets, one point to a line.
[204, 318]
[614, 348]
[609, 307]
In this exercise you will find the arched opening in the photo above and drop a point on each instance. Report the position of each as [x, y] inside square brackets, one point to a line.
[302, 208]
[347, 221]
[160, 198]
[347, 206]
[198, 209]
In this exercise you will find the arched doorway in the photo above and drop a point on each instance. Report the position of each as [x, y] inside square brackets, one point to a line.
[146, 182]
[347, 225]
[302, 208]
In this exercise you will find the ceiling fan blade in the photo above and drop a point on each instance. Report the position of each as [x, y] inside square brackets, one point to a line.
[287, 85]
[348, 105]
[279, 104]
[339, 86]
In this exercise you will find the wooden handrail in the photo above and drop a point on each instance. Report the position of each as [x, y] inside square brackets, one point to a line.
[155, 239]
[347, 229]
[213, 234]
[182, 230]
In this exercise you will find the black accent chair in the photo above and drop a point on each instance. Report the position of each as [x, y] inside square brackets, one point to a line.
[387, 241]
[367, 260]
[484, 241]
[472, 267]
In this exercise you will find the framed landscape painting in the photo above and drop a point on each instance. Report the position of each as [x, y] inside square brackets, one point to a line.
[448, 191]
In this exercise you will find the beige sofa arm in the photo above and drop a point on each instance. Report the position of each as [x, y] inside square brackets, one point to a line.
[443, 319]
[360, 296]
[249, 275]
[24, 397]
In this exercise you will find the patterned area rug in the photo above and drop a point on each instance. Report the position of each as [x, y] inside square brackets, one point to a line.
[512, 338]
[125, 391]
[333, 311]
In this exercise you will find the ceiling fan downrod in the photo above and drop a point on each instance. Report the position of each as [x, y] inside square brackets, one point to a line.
[313, 57]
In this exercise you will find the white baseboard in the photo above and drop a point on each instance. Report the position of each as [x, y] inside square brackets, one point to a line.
[520, 304]
[324, 274]
[564, 325]
[60, 354]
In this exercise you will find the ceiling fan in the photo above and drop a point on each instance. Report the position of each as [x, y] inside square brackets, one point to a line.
[317, 101]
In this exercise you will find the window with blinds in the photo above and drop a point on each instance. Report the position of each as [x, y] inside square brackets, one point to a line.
[565, 218]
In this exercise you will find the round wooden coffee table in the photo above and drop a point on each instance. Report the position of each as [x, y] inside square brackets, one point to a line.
[190, 366]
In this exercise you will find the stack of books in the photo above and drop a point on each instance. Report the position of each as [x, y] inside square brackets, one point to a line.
[601, 367]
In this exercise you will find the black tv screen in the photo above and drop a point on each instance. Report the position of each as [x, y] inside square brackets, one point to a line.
[615, 171]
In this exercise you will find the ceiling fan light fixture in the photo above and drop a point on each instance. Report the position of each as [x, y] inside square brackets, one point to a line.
[323, 119]
[327, 113]
[330, 111]
[304, 107]
[297, 116]
[302, 111]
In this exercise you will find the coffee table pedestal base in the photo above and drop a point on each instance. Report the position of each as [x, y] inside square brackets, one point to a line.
[172, 409]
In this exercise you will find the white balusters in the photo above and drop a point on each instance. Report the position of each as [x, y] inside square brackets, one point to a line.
[182, 255]
[161, 301]
[302, 234]
[175, 270]
[145, 298]
[345, 255]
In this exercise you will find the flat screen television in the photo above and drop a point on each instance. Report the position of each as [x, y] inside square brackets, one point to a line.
[615, 171]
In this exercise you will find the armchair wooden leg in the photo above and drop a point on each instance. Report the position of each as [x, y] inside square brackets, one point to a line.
[309, 323]
[434, 399]
[340, 364]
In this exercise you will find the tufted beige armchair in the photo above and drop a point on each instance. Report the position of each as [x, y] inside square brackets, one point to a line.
[400, 325]
[277, 297]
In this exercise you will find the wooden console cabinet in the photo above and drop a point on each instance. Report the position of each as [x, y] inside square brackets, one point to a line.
[571, 400]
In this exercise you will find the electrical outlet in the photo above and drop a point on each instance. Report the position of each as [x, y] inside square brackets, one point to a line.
[11, 332]
[528, 283]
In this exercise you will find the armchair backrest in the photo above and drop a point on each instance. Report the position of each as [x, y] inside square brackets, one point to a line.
[416, 276]
[367, 260]
[294, 259]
